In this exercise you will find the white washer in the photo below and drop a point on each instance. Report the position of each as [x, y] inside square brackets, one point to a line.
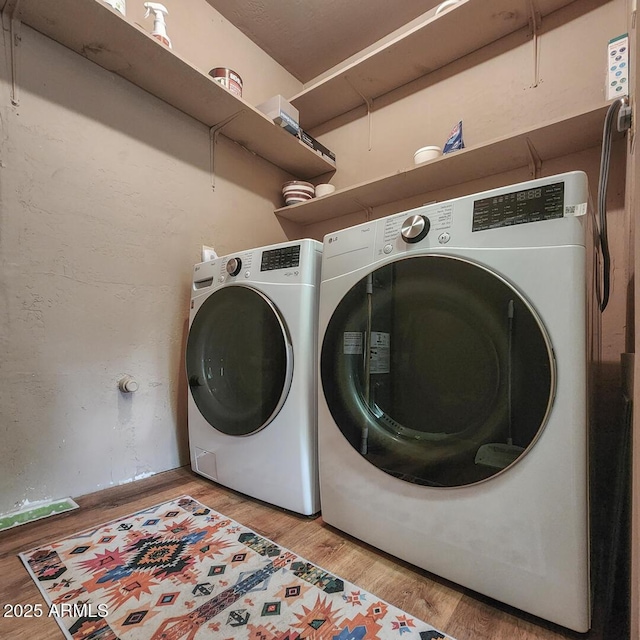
[251, 365]
[460, 443]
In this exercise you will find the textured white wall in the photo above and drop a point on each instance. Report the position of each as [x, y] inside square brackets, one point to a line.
[105, 200]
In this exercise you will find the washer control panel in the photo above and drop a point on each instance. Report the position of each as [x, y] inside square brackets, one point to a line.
[280, 258]
[233, 266]
[295, 262]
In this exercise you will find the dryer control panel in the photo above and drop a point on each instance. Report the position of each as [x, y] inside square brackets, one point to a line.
[543, 202]
[534, 213]
[402, 229]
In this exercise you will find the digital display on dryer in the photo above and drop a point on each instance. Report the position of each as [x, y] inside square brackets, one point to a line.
[282, 258]
[519, 207]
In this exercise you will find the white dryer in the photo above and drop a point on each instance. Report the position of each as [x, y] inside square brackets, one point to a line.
[452, 405]
[251, 365]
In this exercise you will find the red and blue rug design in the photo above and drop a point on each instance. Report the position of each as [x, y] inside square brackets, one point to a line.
[181, 571]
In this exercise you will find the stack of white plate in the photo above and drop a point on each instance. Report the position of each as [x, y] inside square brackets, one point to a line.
[297, 191]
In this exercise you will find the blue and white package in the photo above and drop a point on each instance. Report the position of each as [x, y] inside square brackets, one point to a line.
[455, 140]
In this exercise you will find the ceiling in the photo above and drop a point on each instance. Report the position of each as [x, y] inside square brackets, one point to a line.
[307, 37]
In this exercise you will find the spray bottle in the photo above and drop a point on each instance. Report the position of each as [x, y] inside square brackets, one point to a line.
[159, 25]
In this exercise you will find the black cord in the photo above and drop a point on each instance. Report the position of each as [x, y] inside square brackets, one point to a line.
[602, 201]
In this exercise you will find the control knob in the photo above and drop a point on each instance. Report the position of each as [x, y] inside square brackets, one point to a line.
[414, 228]
[234, 265]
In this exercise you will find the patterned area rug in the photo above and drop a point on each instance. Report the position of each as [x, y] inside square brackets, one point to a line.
[181, 571]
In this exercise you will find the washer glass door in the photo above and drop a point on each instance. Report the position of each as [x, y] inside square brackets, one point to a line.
[239, 360]
[437, 371]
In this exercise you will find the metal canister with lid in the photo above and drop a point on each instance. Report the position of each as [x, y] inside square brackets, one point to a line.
[228, 78]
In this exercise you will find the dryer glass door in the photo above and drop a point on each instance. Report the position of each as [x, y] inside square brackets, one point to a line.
[239, 360]
[438, 371]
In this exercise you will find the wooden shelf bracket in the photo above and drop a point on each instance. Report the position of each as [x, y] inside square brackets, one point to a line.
[369, 103]
[11, 15]
[366, 208]
[535, 22]
[213, 141]
[535, 162]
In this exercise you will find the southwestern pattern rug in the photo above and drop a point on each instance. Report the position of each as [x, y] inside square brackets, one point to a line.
[181, 571]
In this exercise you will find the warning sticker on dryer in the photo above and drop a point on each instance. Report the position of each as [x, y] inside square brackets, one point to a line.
[380, 352]
[352, 343]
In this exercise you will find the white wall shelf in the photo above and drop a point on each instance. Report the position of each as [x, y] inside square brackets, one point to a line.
[550, 140]
[95, 31]
[430, 45]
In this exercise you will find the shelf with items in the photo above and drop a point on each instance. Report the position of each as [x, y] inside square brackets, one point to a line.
[424, 48]
[100, 34]
[527, 148]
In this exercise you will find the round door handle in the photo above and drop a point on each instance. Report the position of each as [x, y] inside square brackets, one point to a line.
[415, 228]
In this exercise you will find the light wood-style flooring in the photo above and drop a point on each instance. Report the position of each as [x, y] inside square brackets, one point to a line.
[452, 609]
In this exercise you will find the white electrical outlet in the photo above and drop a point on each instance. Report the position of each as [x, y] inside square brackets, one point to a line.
[618, 67]
[208, 253]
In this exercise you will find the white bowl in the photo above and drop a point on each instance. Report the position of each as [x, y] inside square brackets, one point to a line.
[426, 153]
[324, 189]
[445, 5]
